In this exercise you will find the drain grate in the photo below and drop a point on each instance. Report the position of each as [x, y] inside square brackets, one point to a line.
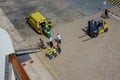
[23, 57]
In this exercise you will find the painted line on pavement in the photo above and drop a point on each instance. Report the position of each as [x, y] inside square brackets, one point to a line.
[115, 2]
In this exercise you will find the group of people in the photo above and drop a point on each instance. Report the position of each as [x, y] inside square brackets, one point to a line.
[52, 50]
[58, 40]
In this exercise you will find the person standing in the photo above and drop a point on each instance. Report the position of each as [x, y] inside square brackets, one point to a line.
[106, 13]
[58, 48]
[42, 45]
[54, 51]
[59, 38]
[49, 54]
[50, 41]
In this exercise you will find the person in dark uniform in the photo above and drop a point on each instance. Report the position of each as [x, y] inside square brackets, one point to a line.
[50, 42]
[106, 13]
[58, 48]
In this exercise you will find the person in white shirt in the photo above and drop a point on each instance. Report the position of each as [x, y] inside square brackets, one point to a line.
[59, 38]
[50, 41]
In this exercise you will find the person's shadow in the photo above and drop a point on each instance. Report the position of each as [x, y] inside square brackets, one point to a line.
[48, 43]
[56, 40]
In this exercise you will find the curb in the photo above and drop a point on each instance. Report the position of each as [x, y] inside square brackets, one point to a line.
[114, 14]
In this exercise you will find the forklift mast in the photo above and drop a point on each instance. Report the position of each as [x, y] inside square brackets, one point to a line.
[90, 26]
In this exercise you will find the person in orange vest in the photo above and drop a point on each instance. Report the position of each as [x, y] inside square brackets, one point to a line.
[50, 53]
[54, 51]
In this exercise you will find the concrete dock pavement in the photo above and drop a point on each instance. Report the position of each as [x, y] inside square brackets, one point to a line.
[35, 70]
[40, 68]
[94, 59]
[30, 71]
[115, 11]
[5, 23]
[81, 58]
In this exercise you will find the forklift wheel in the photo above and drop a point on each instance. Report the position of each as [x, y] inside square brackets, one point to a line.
[106, 30]
[95, 35]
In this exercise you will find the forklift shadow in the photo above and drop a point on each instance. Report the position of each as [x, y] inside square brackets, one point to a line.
[86, 34]
[87, 39]
[85, 30]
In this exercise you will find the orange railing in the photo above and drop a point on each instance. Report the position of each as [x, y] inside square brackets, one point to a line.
[19, 69]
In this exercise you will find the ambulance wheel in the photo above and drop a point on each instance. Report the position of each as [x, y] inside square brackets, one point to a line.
[106, 30]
